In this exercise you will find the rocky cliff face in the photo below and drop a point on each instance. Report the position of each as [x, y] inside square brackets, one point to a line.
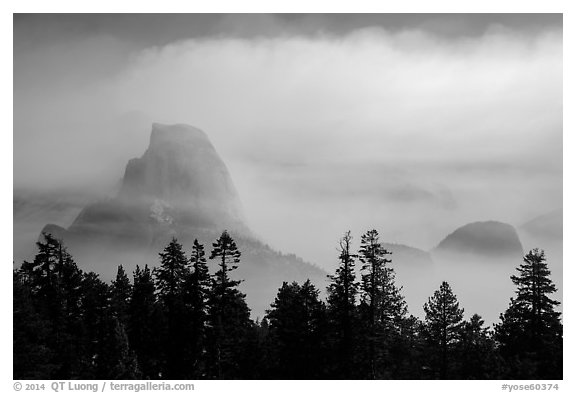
[179, 183]
[181, 170]
[181, 188]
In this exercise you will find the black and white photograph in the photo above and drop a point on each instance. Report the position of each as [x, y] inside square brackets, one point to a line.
[294, 196]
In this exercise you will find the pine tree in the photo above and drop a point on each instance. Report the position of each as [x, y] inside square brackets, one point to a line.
[145, 325]
[95, 312]
[407, 349]
[342, 293]
[382, 307]
[228, 256]
[120, 295]
[533, 287]
[40, 274]
[54, 280]
[69, 278]
[42, 277]
[443, 324]
[477, 354]
[171, 273]
[196, 292]
[530, 331]
[32, 358]
[297, 325]
[228, 315]
[315, 314]
[170, 276]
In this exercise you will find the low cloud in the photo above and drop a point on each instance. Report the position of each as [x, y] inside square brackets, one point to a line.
[305, 123]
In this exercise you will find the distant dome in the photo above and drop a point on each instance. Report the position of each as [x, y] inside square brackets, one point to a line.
[182, 170]
[179, 183]
[488, 238]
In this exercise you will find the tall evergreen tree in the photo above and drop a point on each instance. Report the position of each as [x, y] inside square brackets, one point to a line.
[196, 292]
[40, 275]
[443, 324]
[530, 331]
[477, 353]
[342, 293]
[382, 306]
[54, 280]
[69, 278]
[297, 326]
[229, 315]
[145, 325]
[95, 313]
[170, 276]
[32, 357]
[407, 349]
[120, 295]
[227, 255]
[107, 351]
[44, 274]
[71, 325]
[171, 273]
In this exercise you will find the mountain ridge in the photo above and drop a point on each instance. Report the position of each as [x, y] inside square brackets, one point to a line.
[179, 187]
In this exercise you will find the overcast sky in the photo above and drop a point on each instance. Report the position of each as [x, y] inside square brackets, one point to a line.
[412, 124]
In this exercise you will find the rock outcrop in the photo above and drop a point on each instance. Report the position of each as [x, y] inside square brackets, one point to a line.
[181, 188]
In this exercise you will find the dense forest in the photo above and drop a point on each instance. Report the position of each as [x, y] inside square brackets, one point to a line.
[179, 321]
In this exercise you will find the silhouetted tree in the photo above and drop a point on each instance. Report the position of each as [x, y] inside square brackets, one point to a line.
[189, 324]
[228, 315]
[196, 292]
[171, 273]
[408, 350]
[40, 275]
[342, 293]
[32, 357]
[530, 331]
[145, 324]
[382, 307]
[120, 296]
[107, 351]
[54, 281]
[443, 326]
[297, 320]
[260, 352]
[227, 255]
[477, 357]
[170, 276]
[95, 313]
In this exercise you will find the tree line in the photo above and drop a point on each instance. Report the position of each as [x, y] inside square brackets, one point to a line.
[179, 321]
